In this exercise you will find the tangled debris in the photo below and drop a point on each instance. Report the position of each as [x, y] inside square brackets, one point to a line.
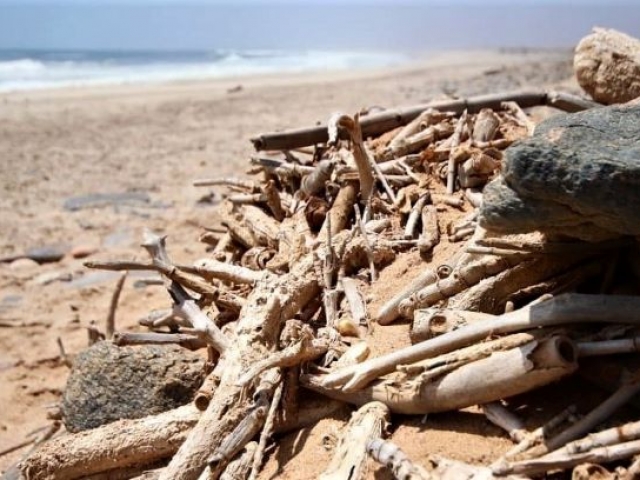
[294, 284]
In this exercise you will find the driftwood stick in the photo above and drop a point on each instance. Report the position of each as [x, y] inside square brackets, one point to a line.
[609, 347]
[591, 420]
[563, 309]
[473, 196]
[455, 141]
[360, 155]
[239, 468]
[539, 433]
[427, 118]
[430, 235]
[242, 183]
[416, 142]
[430, 322]
[516, 111]
[390, 455]
[105, 448]
[501, 375]
[267, 431]
[376, 124]
[185, 307]
[314, 183]
[354, 299]
[226, 272]
[113, 306]
[273, 300]
[367, 244]
[414, 215]
[350, 458]
[191, 342]
[301, 352]
[552, 461]
[463, 278]
[500, 416]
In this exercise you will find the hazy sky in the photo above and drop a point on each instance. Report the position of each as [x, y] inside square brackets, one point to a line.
[307, 24]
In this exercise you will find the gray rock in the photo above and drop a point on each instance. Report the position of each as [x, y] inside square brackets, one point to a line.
[579, 175]
[607, 66]
[108, 383]
[101, 200]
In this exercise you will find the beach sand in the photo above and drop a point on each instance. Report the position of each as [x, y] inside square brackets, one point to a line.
[155, 140]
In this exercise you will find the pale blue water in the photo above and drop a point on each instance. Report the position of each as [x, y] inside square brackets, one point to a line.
[38, 68]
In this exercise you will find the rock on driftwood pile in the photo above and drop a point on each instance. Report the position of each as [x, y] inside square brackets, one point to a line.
[607, 66]
[282, 302]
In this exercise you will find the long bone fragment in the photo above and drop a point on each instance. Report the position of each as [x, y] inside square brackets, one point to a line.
[563, 309]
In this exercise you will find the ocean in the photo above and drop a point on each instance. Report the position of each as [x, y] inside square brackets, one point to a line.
[38, 69]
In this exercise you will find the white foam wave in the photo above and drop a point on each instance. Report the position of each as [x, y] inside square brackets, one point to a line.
[29, 73]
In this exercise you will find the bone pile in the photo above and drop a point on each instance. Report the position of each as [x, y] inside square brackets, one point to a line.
[295, 281]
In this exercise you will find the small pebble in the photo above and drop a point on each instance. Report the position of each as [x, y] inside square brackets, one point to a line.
[83, 251]
[23, 264]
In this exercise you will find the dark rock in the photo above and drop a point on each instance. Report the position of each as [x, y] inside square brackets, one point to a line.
[101, 200]
[579, 175]
[48, 253]
[108, 383]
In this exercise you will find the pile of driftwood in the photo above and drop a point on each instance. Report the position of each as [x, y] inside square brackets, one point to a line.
[282, 303]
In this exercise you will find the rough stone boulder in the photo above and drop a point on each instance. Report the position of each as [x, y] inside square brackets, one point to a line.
[108, 383]
[607, 66]
[579, 175]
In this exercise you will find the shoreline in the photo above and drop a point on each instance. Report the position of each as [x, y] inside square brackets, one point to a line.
[418, 62]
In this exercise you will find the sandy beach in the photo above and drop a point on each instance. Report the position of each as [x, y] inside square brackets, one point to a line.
[151, 142]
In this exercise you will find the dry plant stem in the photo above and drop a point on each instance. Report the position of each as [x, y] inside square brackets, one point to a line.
[447, 469]
[417, 142]
[191, 342]
[267, 431]
[609, 347]
[563, 309]
[430, 235]
[462, 278]
[378, 123]
[350, 457]
[390, 455]
[272, 301]
[539, 433]
[414, 215]
[501, 375]
[227, 182]
[239, 468]
[360, 155]
[226, 272]
[500, 416]
[549, 462]
[589, 421]
[455, 141]
[633, 472]
[147, 440]
[450, 200]
[185, 307]
[424, 120]
[113, 306]
[354, 299]
[610, 436]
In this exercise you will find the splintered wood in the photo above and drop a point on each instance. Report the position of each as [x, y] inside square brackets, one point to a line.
[296, 280]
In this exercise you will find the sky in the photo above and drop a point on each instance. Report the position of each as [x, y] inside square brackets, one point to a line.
[409, 25]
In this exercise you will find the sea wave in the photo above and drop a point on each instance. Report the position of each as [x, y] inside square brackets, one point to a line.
[48, 69]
